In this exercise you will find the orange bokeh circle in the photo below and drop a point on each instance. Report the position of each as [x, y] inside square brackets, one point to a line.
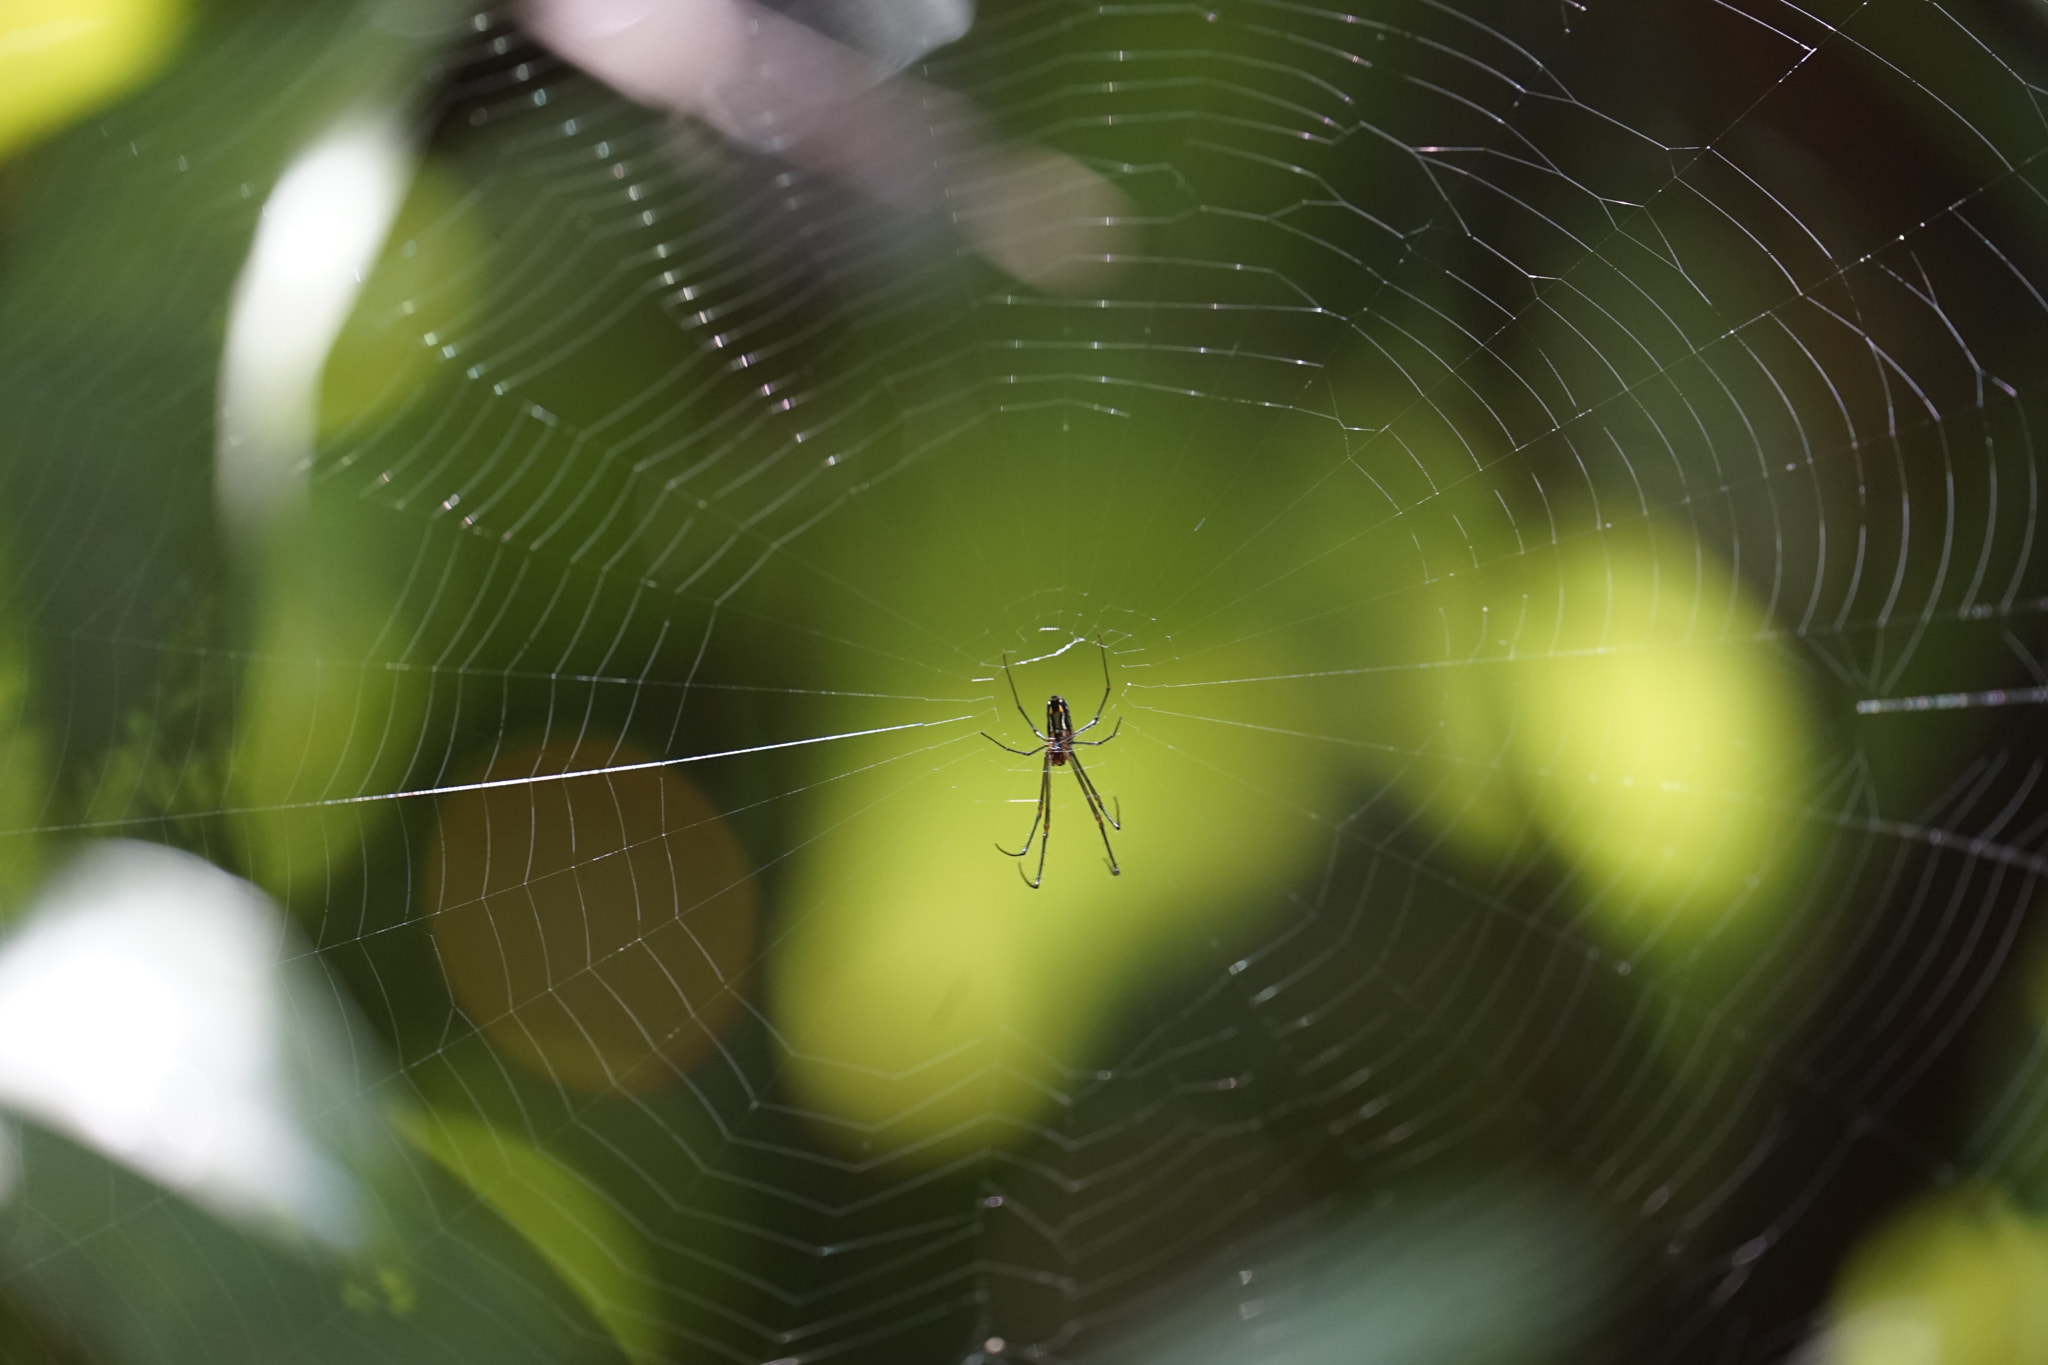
[598, 929]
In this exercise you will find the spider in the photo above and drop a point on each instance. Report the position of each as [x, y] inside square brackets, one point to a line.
[1058, 743]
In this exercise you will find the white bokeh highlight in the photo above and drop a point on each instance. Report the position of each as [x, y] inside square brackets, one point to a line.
[144, 1012]
[318, 237]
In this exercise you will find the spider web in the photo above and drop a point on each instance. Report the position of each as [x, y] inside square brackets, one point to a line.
[1436, 345]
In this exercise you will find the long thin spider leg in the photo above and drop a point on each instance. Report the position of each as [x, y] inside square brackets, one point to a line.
[1091, 743]
[1043, 813]
[1021, 753]
[1103, 705]
[1045, 839]
[1105, 691]
[1094, 795]
[1018, 702]
[1095, 808]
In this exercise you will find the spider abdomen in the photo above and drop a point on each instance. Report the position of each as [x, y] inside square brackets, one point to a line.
[1059, 730]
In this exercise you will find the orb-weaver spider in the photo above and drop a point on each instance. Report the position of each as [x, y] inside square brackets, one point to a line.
[1057, 742]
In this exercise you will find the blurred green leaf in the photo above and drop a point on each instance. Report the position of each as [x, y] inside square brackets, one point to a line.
[575, 1228]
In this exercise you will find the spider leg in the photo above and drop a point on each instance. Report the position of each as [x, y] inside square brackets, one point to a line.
[1017, 702]
[1094, 795]
[1042, 816]
[1045, 839]
[1039, 815]
[1021, 753]
[1098, 810]
[1105, 692]
[1105, 739]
